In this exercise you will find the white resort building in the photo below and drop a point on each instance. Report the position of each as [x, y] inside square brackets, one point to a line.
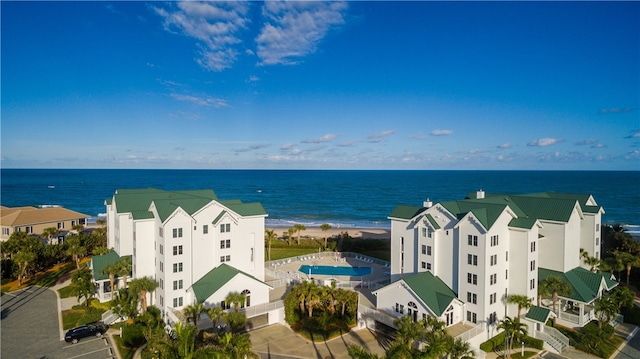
[490, 246]
[197, 247]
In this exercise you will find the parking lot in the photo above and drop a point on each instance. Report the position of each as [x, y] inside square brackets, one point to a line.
[31, 329]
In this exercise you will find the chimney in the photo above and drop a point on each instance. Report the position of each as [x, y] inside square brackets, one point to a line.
[427, 203]
[480, 194]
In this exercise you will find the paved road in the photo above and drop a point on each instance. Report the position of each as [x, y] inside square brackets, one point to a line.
[30, 329]
[631, 350]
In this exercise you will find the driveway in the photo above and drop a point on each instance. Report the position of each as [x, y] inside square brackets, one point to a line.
[31, 329]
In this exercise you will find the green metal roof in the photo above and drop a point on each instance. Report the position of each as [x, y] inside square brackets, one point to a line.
[99, 263]
[486, 212]
[138, 201]
[406, 212]
[585, 284]
[432, 220]
[211, 282]
[526, 223]
[431, 290]
[538, 314]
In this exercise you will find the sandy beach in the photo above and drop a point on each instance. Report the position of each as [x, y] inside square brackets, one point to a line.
[316, 232]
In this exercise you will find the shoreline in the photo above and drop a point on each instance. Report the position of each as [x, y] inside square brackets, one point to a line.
[354, 232]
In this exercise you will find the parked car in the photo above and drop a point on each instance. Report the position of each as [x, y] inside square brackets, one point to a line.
[83, 331]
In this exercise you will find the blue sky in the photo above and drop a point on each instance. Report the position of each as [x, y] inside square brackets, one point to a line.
[313, 85]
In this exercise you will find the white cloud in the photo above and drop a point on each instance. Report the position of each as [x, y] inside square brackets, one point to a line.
[546, 141]
[634, 135]
[616, 110]
[251, 148]
[588, 141]
[202, 101]
[286, 146]
[326, 138]
[377, 137]
[294, 29]
[214, 24]
[505, 146]
[441, 132]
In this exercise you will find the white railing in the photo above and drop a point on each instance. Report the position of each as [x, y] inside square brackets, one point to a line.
[109, 317]
[557, 335]
[378, 315]
[254, 311]
[471, 333]
[317, 256]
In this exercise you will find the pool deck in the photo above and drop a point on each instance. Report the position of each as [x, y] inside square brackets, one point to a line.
[289, 267]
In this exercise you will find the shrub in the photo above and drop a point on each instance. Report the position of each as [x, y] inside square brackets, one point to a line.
[132, 336]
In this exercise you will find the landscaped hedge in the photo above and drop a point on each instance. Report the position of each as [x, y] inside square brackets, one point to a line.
[497, 343]
[132, 336]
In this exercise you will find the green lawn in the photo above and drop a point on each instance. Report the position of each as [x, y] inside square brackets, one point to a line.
[80, 315]
[67, 292]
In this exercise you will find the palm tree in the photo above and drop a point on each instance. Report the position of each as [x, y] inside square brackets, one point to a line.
[83, 282]
[556, 286]
[623, 297]
[512, 328]
[186, 338]
[299, 228]
[193, 312]
[270, 235]
[522, 301]
[606, 308]
[408, 331]
[325, 227]
[142, 286]
[460, 349]
[235, 298]
[78, 228]
[629, 261]
[49, 233]
[215, 314]
[24, 258]
[74, 249]
[290, 233]
[358, 352]
[110, 270]
[313, 299]
[124, 267]
[329, 297]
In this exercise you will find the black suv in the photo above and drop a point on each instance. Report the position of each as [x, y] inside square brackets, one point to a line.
[89, 330]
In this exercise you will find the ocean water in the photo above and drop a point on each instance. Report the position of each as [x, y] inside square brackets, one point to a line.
[341, 198]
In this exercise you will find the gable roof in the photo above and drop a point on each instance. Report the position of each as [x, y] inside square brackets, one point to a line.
[539, 314]
[21, 216]
[431, 290]
[138, 201]
[211, 282]
[585, 284]
[406, 212]
[486, 212]
[99, 263]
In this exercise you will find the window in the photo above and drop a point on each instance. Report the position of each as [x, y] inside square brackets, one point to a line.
[161, 232]
[225, 243]
[161, 266]
[532, 265]
[506, 274]
[494, 259]
[472, 278]
[506, 256]
[177, 250]
[177, 267]
[493, 279]
[177, 284]
[424, 231]
[472, 298]
[472, 259]
[597, 227]
[424, 265]
[492, 298]
[429, 266]
[424, 249]
[533, 247]
[399, 308]
[472, 317]
[177, 233]
[494, 240]
[532, 284]
[161, 283]
[428, 250]
[161, 249]
[226, 258]
[177, 302]
[225, 228]
[473, 240]
[28, 229]
[205, 229]
[429, 233]
[5, 231]
[493, 317]
[161, 302]
[60, 225]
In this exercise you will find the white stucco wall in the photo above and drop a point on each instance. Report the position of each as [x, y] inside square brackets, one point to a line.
[259, 291]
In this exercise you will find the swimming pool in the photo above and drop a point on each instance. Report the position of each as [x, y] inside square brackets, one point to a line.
[335, 270]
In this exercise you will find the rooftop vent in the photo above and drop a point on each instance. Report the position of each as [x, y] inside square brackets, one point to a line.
[427, 203]
[480, 194]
